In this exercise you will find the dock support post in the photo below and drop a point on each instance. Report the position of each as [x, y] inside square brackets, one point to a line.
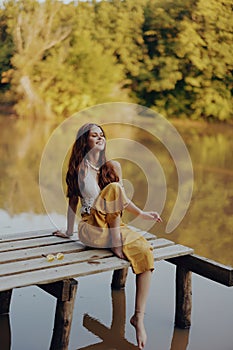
[5, 300]
[183, 297]
[119, 278]
[63, 318]
[5, 328]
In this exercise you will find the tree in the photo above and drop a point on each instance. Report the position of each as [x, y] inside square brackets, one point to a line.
[207, 59]
[86, 71]
[6, 52]
[118, 27]
[58, 58]
[160, 75]
[59, 67]
[188, 71]
[35, 30]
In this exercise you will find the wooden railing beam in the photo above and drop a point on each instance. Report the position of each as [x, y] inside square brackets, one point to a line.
[205, 267]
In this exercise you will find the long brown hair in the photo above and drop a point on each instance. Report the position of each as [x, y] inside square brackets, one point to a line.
[77, 167]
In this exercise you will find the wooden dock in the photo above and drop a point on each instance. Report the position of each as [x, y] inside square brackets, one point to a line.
[23, 262]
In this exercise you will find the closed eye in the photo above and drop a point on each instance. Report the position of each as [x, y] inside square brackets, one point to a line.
[96, 135]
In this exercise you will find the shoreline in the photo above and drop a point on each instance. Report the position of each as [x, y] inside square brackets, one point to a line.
[7, 110]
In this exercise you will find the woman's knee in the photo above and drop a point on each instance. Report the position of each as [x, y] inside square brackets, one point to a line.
[112, 194]
[112, 199]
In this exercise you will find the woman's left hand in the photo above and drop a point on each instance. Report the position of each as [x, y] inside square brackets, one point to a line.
[150, 215]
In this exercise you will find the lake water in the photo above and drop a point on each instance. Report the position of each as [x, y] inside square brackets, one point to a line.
[207, 227]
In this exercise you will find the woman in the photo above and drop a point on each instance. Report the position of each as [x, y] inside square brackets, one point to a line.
[97, 183]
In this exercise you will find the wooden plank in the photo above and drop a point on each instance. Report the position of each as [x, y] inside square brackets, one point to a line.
[58, 273]
[73, 270]
[160, 242]
[147, 235]
[11, 237]
[205, 267]
[36, 252]
[37, 263]
[31, 243]
[15, 237]
[69, 258]
[42, 263]
[52, 240]
[171, 251]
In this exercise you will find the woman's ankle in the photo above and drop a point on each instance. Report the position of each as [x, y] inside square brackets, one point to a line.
[139, 312]
[137, 316]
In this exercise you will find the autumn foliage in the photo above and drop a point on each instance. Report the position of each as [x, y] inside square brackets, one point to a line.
[172, 56]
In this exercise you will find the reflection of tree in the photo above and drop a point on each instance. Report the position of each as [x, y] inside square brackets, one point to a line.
[207, 226]
[113, 337]
[208, 223]
[23, 144]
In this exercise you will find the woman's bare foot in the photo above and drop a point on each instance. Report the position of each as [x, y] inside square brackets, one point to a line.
[118, 252]
[137, 322]
[61, 234]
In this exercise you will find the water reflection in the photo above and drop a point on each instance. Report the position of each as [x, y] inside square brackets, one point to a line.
[5, 332]
[113, 337]
[21, 146]
[208, 224]
[180, 339]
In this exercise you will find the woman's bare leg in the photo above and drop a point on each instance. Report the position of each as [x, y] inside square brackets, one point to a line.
[116, 240]
[137, 320]
[142, 284]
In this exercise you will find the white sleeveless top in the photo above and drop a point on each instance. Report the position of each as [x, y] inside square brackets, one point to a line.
[90, 191]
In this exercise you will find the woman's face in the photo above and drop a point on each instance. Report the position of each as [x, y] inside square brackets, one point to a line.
[96, 139]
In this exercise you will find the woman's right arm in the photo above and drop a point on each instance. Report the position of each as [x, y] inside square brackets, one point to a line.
[71, 212]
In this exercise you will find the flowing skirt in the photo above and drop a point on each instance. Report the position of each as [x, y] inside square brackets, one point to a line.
[94, 228]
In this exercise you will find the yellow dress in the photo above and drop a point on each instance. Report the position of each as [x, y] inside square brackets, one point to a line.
[94, 230]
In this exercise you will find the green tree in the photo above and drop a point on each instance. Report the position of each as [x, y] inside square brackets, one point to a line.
[157, 84]
[205, 47]
[118, 27]
[86, 71]
[188, 71]
[35, 30]
[6, 52]
[58, 67]
[173, 57]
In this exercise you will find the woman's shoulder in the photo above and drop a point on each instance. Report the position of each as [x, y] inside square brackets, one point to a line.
[116, 166]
